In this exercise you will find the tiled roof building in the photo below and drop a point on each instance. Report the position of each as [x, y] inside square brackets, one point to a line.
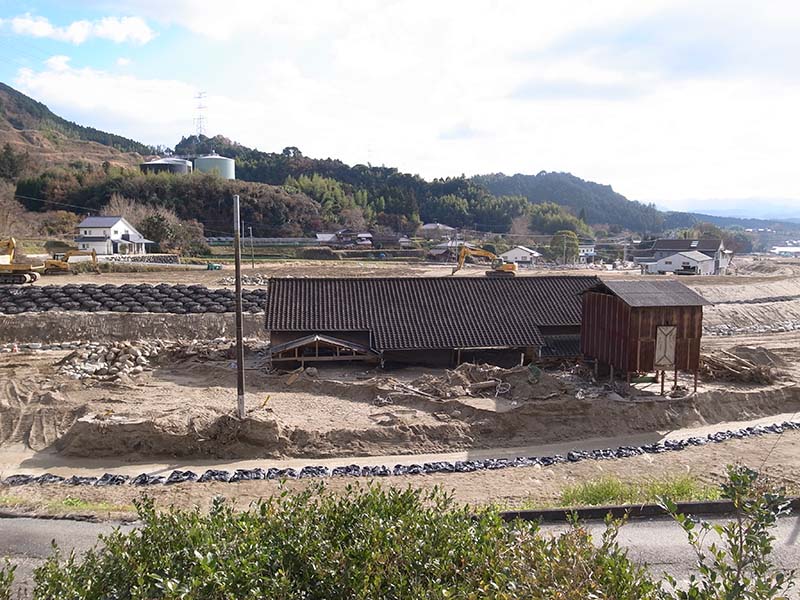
[425, 320]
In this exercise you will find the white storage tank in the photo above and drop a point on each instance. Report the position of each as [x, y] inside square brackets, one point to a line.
[214, 163]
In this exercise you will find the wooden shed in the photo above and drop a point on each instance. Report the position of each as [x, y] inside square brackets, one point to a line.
[642, 326]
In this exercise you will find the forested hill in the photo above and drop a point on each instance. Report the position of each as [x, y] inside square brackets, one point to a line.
[459, 201]
[24, 113]
[598, 203]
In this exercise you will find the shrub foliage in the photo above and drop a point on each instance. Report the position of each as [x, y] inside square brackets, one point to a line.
[366, 543]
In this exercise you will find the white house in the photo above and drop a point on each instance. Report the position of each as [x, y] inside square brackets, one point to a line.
[693, 262]
[586, 252]
[664, 248]
[110, 235]
[521, 255]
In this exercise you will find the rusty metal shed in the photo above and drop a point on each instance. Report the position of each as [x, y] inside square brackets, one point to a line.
[635, 326]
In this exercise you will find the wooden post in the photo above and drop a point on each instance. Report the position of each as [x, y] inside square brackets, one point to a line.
[663, 376]
[695, 382]
[596, 368]
[676, 378]
[611, 375]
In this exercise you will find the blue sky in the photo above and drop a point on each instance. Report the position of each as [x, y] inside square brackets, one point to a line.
[692, 105]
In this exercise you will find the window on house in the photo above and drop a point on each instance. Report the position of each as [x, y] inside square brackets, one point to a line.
[667, 262]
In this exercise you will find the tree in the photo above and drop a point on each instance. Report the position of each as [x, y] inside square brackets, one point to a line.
[564, 246]
[549, 217]
[156, 227]
[11, 163]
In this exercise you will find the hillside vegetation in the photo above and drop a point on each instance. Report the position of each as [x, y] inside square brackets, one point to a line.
[288, 193]
[30, 127]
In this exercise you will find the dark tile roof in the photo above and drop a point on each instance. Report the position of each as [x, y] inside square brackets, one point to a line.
[561, 346]
[429, 313]
[664, 292]
[706, 245]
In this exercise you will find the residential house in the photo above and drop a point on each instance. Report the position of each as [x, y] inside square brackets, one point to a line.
[586, 251]
[448, 250]
[653, 251]
[521, 255]
[436, 231]
[110, 235]
[683, 263]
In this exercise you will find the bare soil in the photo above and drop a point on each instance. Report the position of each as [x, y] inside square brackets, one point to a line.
[182, 412]
[778, 458]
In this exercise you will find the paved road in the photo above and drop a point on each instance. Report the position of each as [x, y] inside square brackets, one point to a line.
[658, 542]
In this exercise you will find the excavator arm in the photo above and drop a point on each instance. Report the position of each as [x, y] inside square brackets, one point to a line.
[499, 267]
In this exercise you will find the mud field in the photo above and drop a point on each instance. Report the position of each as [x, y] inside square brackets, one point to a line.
[150, 383]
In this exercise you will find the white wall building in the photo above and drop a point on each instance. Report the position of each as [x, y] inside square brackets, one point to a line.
[521, 255]
[586, 252]
[685, 262]
[110, 235]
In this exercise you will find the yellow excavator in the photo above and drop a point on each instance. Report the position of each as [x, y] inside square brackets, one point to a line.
[13, 273]
[500, 268]
[59, 264]
[22, 273]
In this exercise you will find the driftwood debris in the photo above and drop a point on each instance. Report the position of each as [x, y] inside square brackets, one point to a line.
[727, 366]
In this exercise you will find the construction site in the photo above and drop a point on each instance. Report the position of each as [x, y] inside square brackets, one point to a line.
[503, 389]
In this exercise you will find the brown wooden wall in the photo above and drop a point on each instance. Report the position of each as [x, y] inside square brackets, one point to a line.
[624, 337]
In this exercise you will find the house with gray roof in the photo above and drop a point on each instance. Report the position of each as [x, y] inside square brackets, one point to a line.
[654, 251]
[110, 235]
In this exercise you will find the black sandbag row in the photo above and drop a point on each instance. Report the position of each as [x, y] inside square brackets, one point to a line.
[127, 298]
[460, 466]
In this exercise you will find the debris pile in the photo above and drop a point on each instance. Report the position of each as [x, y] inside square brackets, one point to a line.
[745, 364]
[111, 361]
[247, 279]
[486, 381]
[128, 298]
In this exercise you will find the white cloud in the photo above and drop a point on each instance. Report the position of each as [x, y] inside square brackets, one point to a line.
[444, 88]
[58, 63]
[123, 62]
[115, 29]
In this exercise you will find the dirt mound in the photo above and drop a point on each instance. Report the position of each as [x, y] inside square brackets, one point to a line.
[518, 384]
[34, 417]
[51, 327]
[759, 355]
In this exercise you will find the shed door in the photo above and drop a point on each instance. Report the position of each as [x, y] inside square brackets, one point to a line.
[665, 347]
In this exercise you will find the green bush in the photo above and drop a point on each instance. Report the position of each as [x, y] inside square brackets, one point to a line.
[365, 543]
[6, 579]
[739, 566]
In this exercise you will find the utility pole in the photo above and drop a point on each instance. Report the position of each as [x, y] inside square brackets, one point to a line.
[252, 252]
[237, 258]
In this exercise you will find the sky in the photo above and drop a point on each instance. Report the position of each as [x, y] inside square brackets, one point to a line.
[693, 105]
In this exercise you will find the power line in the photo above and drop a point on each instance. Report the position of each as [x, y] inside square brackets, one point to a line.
[92, 209]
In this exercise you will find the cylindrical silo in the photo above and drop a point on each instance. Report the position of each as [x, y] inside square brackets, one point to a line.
[170, 165]
[214, 163]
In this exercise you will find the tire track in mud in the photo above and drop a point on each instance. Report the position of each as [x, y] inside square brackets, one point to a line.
[34, 417]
